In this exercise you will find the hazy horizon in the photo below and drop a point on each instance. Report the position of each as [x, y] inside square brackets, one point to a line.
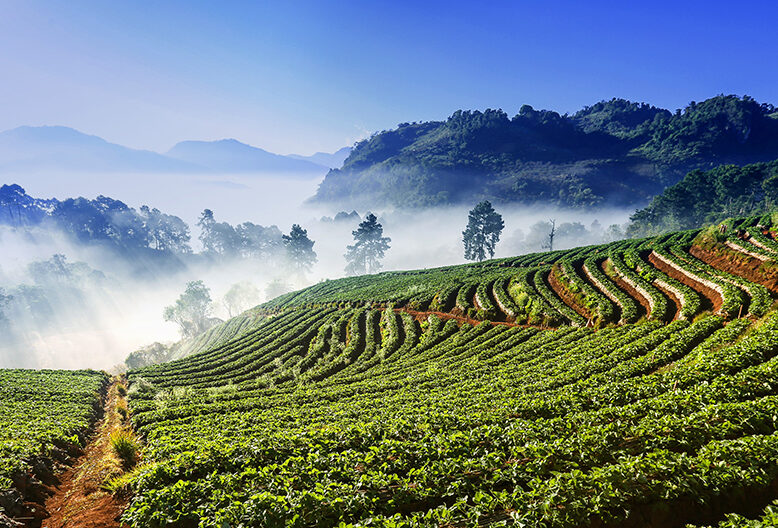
[308, 77]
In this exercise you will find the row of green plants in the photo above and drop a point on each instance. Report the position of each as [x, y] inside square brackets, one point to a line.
[45, 416]
[431, 422]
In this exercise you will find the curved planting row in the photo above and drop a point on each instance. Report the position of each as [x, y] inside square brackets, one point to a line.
[628, 307]
[651, 275]
[760, 298]
[587, 295]
[434, 423]
[658, 304]
[542, 287]
[690, 301]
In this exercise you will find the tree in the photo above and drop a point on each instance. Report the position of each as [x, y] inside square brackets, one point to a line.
[165, 232]
[240, 297]
[218, 238]
[484, 226]
[259, 242]
[299, 248]
[4, 300]
[192, 310]
[369, 247]
[551, 234]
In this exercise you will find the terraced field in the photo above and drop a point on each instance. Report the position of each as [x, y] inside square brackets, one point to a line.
[630, 384]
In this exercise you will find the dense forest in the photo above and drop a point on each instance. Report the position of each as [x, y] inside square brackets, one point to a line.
[709, 196]
[612, 153]
[147, 237]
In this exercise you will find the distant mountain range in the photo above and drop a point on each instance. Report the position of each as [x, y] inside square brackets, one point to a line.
[62, 149]
[333, 161]
[616, 152]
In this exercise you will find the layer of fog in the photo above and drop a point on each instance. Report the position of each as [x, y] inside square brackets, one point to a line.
[103, 325]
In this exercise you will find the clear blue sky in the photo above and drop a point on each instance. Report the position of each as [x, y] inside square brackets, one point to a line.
[298, 76]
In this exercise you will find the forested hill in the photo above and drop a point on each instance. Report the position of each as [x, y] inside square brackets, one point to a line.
[709, 197]
[612, 153]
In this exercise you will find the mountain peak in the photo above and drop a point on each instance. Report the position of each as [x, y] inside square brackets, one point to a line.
[231, 155]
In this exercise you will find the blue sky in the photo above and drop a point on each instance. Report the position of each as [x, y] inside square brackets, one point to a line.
[298, 76]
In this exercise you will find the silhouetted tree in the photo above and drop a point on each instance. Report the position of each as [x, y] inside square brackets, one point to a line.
[218, 238]
[4, 301]
[259, 242]
[551, 234]
[484, 226]
[299, 248]
[369, 247]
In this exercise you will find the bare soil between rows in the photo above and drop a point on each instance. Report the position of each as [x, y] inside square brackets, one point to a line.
[563, 293]
[711, 299]
[632, 292]
[79, 500]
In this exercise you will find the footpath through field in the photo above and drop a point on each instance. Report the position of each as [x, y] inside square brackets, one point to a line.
[79, 500]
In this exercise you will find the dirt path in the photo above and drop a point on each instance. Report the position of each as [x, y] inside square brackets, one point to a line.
[79, 500]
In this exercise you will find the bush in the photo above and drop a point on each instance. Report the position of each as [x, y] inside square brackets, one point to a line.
[126, 447]
[123, 411]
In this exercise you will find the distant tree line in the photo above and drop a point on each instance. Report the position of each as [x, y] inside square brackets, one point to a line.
[614, 152]
[709, 196]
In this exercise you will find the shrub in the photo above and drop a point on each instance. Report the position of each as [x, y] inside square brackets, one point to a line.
[126, 447]
[123, 411]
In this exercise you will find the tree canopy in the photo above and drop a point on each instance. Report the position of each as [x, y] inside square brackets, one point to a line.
[709, 196]
[614, 152]
[484, 226]
[299, 249]
[192, 310]
[369, 247]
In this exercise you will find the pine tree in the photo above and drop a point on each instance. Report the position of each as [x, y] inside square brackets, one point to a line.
[484, 226]
[299, 248]
[369, 247]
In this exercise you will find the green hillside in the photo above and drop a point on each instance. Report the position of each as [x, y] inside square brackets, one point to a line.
[629, 383]
[611, 153]
[709, 196]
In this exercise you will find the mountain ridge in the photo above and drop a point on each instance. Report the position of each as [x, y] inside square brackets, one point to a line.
[57, 148]
[616, 153]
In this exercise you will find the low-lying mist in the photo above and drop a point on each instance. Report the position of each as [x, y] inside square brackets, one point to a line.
[93, 307]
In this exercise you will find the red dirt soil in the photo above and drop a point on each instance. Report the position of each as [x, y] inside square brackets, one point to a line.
[740, 264]
[79, 500]
[710, 297]
[566, 296]
[632, 292]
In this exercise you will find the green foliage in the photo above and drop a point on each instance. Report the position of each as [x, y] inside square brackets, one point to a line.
[614, 152]
[191, 310]
[709, 196]
[484, 226]
[299, 249]
[368, 249]
[126, 447]
[42, 411]
[341, 408]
